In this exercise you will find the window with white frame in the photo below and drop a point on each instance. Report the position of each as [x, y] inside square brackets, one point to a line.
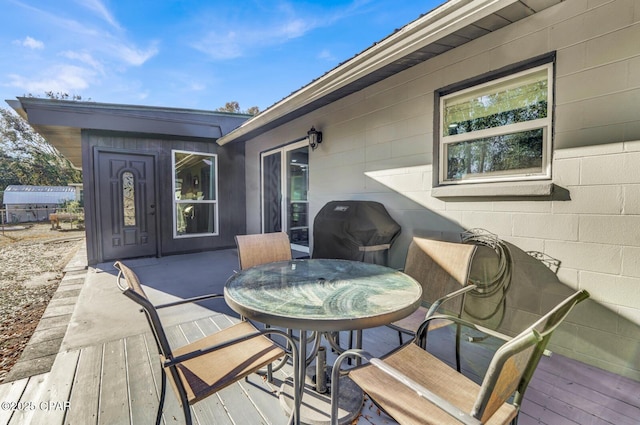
[499, 130]
[195, 188]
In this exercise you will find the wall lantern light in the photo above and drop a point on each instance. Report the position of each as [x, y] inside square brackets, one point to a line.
[315, 138]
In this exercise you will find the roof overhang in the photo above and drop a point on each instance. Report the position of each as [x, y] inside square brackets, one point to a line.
[60, 122]
[452, 24]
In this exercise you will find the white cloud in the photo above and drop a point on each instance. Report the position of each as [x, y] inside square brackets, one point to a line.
[142, 95]
[133, 55]
[326, 54]
[84, 57]
[220, 46]
[233, 38]
[102, 11]
[60, 78]
[30, 42]
[237, 42]
[293, 29]
[101, 42]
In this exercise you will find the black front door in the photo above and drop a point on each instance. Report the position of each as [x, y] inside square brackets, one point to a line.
[126, 205]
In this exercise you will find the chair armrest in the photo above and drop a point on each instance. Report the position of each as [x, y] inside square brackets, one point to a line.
[424, 327]
[189, 300]
[423, 392]
[434, 307]
[192, 355]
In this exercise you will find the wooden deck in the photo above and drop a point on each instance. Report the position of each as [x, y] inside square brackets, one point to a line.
[117, 383]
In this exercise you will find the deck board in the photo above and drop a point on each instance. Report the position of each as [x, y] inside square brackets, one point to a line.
[611, 387]
[142, 394]
[564, 395]
[119, 381]
[85, 393]
[58, 390]
[114, 403]
[561, 411]
[11, 393]
[30, 399]
[597, 402]
[538, 414]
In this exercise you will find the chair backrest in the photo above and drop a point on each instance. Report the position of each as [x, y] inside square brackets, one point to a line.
[262, 248]
[513, 364]
[440, 267]
[133, 290]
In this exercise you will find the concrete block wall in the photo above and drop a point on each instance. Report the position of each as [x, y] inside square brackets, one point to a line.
[378, 145]
[387, 155]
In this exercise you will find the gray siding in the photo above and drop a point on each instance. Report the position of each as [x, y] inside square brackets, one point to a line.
[231, 203]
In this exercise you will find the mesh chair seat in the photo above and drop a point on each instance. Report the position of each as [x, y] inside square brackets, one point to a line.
[206, 375]
[402, 403]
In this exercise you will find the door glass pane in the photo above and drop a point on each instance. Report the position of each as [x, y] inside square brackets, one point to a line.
[298, 203]
[128, 199]
[271, 181]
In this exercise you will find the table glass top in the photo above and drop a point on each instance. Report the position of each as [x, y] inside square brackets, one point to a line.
[323, 294]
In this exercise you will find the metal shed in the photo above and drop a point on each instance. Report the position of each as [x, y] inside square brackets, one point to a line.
[34, 203]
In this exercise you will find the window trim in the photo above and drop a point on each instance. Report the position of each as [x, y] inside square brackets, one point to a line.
[283, 150]
[175, 202]
[505, 74]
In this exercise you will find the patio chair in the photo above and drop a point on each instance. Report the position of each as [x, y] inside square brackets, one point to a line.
[262, 248]
[204, 367]
[415, 387]
[442, 268]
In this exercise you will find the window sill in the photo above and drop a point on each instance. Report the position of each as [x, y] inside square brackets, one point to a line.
[540, 189]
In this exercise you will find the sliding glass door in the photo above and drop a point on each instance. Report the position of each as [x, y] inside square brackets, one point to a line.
[285, 184]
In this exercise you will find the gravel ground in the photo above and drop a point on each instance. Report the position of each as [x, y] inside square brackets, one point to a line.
[31, 263]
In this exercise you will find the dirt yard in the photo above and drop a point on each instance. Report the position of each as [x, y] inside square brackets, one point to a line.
[32, 257]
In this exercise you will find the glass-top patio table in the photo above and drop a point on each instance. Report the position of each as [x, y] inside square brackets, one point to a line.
[322, 295]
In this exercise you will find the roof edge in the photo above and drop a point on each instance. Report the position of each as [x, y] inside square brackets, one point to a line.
[434, 25]
[80, 105]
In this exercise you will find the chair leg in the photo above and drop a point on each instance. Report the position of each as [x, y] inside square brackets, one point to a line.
[187, 413]
[458, 336]
[163, 392]
[184, 400]
[269, 366]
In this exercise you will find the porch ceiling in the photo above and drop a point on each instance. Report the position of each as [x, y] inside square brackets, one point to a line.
[452, 24]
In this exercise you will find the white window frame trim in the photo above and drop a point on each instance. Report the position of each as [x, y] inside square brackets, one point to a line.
[174, 201]
[545, 123]
[283, 201]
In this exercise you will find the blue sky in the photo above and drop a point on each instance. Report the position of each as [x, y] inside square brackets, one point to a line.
[196, 54]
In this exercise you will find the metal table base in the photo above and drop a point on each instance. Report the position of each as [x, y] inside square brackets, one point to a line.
[316, 408]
